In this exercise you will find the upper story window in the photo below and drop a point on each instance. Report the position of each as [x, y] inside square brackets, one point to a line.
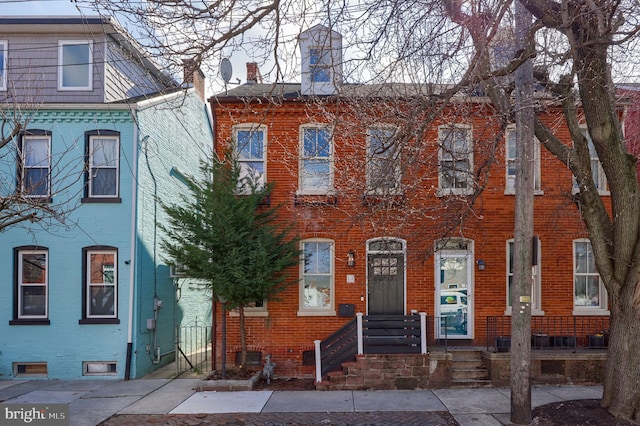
[597, 172]
[589, 294]
[100, 290]
[383, 161]
[317, 283]
[251, 140]
[511, 160]
[75, 65]
[320, 63]
[103, 166]
[316, 168]
[536, 282]
[34, 162]
[456, 159]
[3, 65]
[31, 284]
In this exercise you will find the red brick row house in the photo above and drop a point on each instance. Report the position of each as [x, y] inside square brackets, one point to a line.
[403, 203]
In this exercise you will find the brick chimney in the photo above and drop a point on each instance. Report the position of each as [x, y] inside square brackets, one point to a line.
[193, 76]
[253, 73]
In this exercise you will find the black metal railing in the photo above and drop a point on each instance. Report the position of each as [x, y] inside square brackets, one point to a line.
[552, 332]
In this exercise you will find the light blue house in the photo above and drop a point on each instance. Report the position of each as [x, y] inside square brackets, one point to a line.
[105, 137]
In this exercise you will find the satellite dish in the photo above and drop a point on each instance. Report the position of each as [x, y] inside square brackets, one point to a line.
[226, 70]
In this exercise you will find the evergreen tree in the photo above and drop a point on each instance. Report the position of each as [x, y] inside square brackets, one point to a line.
[225, 235]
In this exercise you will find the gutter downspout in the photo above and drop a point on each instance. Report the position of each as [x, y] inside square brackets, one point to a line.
[134, 201]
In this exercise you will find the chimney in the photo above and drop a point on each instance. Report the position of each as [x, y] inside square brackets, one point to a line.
[193, 76]
[253, 73]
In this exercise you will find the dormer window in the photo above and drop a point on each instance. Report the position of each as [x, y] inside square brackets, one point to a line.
[320, 62]
[75, 65]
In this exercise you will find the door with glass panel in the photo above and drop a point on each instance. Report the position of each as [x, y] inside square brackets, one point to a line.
[385, 282]
[454, 289]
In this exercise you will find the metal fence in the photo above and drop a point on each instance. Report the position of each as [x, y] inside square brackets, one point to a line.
[552, 332]
[193, 348]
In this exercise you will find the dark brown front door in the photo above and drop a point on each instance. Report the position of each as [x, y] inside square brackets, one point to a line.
[385, 284]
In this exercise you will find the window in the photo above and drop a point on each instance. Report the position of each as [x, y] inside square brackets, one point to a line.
[32, 285]
[250, 145]
[75, 65]
[100, 289]
[597, 172]
[383, 165]
[3, 65]
[316, 172]
[316, 286]
[320, 62]
[456, 159]
[103, 166]
[536, 287]
[511, 158]
[35, 164]
[589, 295]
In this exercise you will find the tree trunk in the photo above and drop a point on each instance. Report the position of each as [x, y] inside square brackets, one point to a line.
[622, 376]
[243, 341]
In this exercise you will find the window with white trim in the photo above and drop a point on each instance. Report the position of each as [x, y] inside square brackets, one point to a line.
[75, 65]
[104, 165]
[511, 160]
[320, 64]
[251, 141]
[316, 168]
[101, 278]
[316, 271]
[35, 164]
[383, 161]
[589, 294]
[3, 64]
[536, 282]
[456, 159]
[597, 172]
[32, 284]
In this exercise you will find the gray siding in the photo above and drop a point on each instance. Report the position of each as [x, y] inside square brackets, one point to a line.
[32, 73]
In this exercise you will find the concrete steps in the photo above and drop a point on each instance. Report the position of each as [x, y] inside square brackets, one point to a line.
[468, 369]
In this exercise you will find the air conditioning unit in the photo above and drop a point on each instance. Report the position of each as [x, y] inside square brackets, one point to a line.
[178, 271]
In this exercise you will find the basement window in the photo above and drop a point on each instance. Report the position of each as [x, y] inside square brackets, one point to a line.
[30, 369]
[99, 368]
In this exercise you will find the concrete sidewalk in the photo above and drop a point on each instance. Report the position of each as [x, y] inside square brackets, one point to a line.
[93, 401]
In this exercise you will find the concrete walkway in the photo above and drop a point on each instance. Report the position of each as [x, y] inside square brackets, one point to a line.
[91, 402]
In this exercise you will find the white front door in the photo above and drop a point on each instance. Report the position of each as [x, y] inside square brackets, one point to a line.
[454, 290]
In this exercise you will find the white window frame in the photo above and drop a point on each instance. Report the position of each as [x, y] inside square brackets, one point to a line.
[596, 167]
[536, 281]
[245, 162]
[322, 67]
[509, 162]
[22, 285]
[25, 167]
[329, 309]
[4, 49]
[390, 155]
[302, 174]
[601, 308]
[455, 157]
[62, 66]
[93, 167]
[91, 284]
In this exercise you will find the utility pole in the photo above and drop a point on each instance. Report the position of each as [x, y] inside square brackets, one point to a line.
[523, 229]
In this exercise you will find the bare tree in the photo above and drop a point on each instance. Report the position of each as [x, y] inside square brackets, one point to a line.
[48, 193]
[575, 47]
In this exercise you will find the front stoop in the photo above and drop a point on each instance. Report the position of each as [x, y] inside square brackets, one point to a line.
[389, 372]
[468, 369]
